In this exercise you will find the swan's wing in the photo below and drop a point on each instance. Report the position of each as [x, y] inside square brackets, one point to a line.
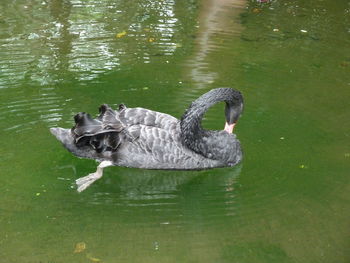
[154, 148]
[104, 135]
[107, 121]
[110, 120]
[105, 132]
[141, 116]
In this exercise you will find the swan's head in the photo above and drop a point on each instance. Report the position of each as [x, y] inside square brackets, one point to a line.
[233, 110]
[217, 145]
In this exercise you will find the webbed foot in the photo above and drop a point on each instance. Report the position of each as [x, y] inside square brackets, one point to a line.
[86, 181]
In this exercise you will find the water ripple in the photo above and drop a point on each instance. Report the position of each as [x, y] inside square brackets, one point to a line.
[81, 38]
[24, 112]
[189, 195]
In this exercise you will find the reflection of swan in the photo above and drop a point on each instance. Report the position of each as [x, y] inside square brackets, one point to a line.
[142, 138]
[135, 187]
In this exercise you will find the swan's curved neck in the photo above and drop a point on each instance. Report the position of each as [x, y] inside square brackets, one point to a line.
[192, 132]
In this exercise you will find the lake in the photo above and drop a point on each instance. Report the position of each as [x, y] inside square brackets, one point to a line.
[287, 201]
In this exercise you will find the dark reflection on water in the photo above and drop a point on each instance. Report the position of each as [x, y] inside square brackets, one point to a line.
[166, 198]
[138, 187]
[167, 193]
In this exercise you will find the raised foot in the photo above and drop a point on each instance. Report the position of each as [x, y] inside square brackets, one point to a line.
[86, 181]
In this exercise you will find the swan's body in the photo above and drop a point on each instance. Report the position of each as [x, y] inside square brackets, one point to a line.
[141, 138]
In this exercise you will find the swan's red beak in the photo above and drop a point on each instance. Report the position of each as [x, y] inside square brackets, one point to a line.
[229, 127]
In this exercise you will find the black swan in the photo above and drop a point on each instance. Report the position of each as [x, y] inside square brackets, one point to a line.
[141, 138]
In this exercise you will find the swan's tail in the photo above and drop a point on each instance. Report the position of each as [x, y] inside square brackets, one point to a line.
[93, 138]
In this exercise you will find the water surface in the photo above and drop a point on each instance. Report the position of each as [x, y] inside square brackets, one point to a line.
[287, 201]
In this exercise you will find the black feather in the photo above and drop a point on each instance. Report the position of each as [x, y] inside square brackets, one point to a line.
[137, 137]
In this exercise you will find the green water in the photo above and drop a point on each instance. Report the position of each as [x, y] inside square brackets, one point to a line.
[288, 201]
